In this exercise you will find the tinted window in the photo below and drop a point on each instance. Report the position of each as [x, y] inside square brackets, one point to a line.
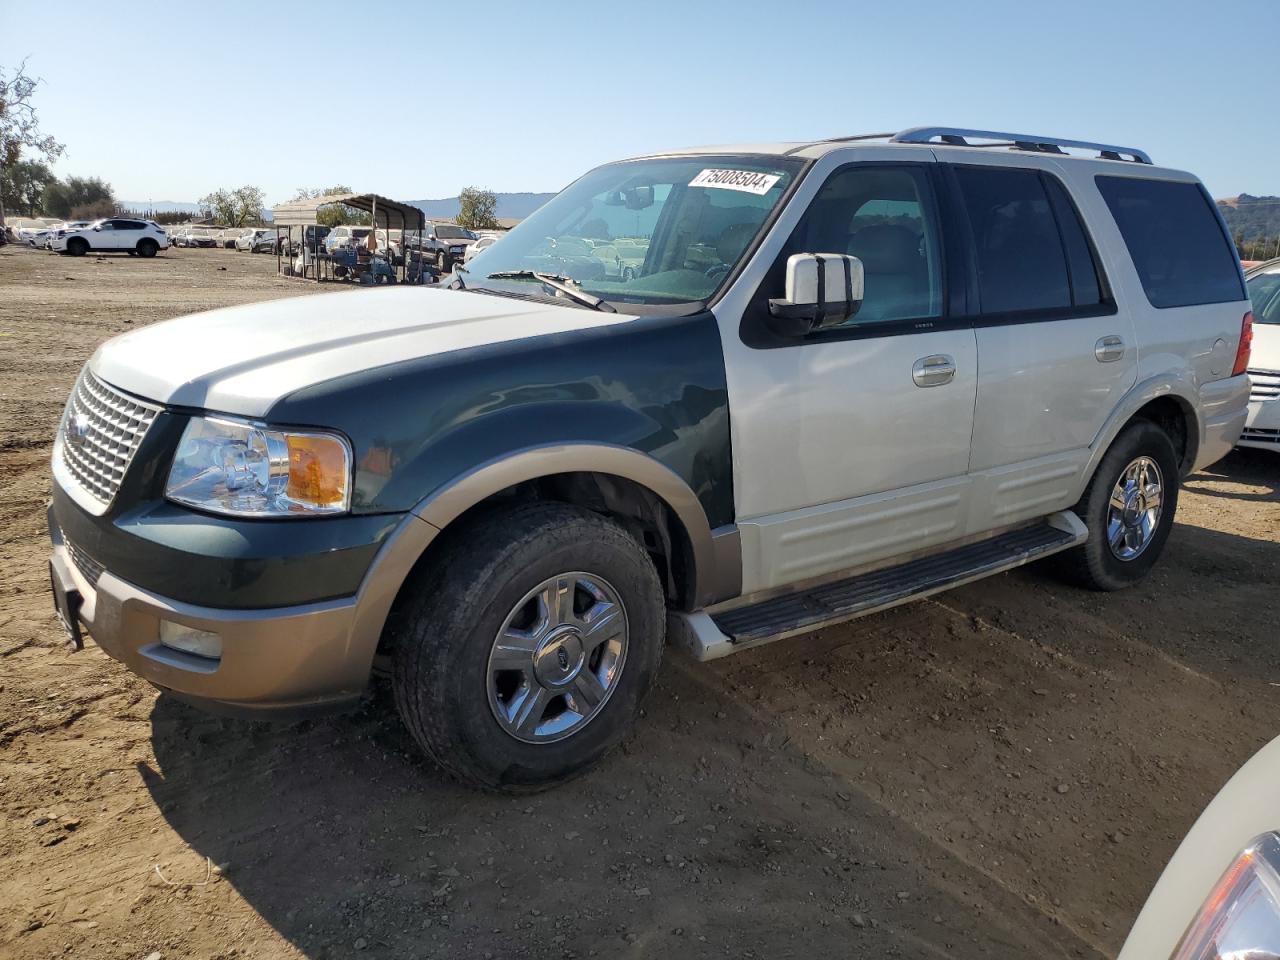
[884, 217]
[1175, 239]
[1019, 255]
[1086, 289]
[126, 224]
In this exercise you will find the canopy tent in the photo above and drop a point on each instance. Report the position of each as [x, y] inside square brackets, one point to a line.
[387, 214]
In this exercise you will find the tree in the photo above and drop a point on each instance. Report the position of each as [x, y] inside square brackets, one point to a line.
[19, 125]
[477, 209]
[62, 197]
[235, 208]
[335, 214]
[22, 184]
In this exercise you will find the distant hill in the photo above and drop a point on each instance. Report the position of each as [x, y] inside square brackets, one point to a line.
[514, 205]
[1255, 217]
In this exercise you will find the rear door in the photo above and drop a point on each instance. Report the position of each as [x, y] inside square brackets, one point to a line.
[1055, 354]
[127, 233]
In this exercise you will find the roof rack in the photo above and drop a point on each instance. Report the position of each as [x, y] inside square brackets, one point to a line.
[959, 137]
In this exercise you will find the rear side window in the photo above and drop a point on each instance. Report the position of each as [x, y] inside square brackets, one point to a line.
[1176, 241]
[1020, 259]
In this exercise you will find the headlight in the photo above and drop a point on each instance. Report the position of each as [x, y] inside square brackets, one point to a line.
[1241, 918]
[246, 470]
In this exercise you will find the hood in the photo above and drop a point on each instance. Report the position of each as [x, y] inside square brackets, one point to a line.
[241, 360]
[1266, 347]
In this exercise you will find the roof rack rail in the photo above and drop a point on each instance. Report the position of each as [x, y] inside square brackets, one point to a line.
[959, 137]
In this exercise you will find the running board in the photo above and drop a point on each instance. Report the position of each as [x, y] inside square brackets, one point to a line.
[711, 636]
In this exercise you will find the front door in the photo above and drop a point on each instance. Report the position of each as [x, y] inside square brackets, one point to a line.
[851, 445]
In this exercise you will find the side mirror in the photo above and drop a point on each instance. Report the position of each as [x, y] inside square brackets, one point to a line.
[97, 228]
[823, 290]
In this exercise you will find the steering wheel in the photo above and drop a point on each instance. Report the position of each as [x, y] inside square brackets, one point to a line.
[716, 270]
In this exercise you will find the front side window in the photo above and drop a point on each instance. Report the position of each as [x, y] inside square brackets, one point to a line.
[1175, 239]
[885, 217]
[663, 232]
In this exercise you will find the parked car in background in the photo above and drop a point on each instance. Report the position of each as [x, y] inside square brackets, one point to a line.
[122, 234]
[244, 242]
[227, 238]
[298, 236]
[1262, 430]
[483, 242]
[24, 228]
[1219, 896]
[343, 236]
[448, 243]
[61, 230]
[202, 237]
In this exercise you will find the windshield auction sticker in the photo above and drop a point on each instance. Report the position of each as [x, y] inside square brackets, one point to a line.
[748, 181]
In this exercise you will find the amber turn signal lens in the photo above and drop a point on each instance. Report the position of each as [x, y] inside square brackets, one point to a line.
[317, 470]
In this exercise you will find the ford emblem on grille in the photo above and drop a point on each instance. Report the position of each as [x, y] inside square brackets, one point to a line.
[78, 428]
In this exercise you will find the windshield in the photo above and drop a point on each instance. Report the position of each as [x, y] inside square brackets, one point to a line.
[644, 231]
[1264, 291]
[446, 232]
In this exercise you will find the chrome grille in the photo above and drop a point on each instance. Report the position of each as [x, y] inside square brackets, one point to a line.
[101, 430]
[89, 568]
[1261, 436]
[1264, 385]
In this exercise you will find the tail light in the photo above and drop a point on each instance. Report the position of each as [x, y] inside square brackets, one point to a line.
[1246, 345]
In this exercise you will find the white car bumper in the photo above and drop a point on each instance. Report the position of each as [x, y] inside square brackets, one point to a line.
[1262, 429]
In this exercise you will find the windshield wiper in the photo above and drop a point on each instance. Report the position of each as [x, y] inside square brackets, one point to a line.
[566, 285]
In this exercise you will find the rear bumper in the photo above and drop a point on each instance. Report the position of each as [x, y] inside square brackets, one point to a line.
[1224, 405]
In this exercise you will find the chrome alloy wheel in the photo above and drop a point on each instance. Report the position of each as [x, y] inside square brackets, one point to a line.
[557, 658]
[1133, 513]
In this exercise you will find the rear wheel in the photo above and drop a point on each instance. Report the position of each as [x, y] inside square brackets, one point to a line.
[521, 659]
[1128, 507]
[77, 247]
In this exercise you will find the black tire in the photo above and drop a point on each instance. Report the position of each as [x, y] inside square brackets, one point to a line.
[1095, 564]
[77, 246]
[442, 639]
[147, 247]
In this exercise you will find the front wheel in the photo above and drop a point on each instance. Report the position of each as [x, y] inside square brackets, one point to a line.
[522, 657]
[1128, 507]
[77, 247]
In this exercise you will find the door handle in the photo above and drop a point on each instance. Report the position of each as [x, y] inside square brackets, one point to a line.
[1108, 349]
[933, 371]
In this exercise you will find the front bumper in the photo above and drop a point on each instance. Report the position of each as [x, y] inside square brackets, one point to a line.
[278, 660]
[1262, 428]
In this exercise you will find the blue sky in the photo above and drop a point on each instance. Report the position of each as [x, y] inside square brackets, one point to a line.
[169, 101]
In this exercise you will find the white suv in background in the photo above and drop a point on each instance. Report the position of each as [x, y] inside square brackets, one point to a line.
[117, 234]
[1263, 427]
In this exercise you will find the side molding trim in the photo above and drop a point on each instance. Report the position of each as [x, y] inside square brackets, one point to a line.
[447, 504]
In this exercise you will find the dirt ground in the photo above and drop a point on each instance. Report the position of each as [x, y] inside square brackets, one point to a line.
[999, 772]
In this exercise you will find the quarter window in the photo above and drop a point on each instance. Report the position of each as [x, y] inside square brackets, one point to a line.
[1175, 239]
[1020, 257]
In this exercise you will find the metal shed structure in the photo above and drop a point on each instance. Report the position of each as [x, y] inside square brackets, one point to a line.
[387, 214]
